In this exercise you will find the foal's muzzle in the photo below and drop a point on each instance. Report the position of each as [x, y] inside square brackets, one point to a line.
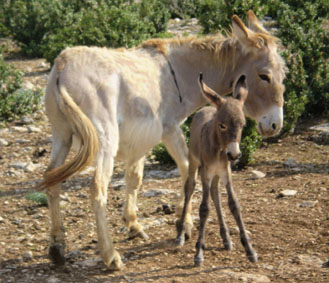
[233, 151]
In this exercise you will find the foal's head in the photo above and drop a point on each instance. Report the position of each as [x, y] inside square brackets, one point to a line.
[229, 118]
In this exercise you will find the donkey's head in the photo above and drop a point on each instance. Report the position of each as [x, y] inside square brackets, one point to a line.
[264, 70]
[229, 118]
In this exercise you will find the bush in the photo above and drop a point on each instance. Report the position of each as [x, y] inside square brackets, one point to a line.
[217, 15]
[43, 28]
[40, 198]
[14, 100]
[301, 30]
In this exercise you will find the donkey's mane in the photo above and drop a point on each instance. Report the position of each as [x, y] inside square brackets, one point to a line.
[215, 43]
[223, 48]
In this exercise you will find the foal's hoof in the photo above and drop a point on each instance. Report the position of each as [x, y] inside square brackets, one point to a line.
[198, 262]
[57, 254]
[253, 256]
[228, 246]
[139, 234]
[179, 241]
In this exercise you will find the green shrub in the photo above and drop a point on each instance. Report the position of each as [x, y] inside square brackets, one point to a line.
[40, 198]
[250, 141]
[14, 100]
[43, 28]
[216, 15]
[301, 30]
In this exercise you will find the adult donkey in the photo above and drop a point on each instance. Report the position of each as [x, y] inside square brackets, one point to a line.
[121, 103]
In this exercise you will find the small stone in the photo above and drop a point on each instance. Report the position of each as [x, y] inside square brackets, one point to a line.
[2, 220]
[25, 120]
[3, 142]
[290, 162]
[33, 129]
[22, 141]
[53, 279]
[257, 174]
[28, 256]
[27, 85]
[18, 165]
[19, 129]
[287, 193]
[155, 193]
[31, 167]
[91, 262]
[308, 203]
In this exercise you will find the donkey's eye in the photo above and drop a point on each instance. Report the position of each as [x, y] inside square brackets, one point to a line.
[265, 78]
[222, 127]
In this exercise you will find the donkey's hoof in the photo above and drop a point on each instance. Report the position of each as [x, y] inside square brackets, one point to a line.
[116, 263]
[57, 254]
[253, 256]
[188, 231]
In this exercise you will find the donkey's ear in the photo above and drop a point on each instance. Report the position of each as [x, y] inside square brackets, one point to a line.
[249, 39]
[240, 91]
[213, 97]
[254, 24]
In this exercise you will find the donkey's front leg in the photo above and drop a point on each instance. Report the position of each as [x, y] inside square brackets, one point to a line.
[203, 213]
[174, 142]
[234, 206]
[99, 186]
[216, 197]
[133, 177]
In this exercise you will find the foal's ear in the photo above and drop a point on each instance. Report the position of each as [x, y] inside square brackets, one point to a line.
[240, 90]
[213, 97]
[254, 24]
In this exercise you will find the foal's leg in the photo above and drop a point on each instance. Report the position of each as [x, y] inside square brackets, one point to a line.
[174, 142]
[234, 206]
[133, 177]
[60, 148]
[184, 228]
[224, 232]
[204, 213]
[103, 173]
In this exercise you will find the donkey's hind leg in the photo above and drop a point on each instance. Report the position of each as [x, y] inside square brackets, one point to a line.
[61, 146]
[203, 213]
[103, 173]
[224, 232]
[133, 178]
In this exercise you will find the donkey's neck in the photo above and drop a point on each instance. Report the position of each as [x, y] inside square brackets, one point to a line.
[216, 60]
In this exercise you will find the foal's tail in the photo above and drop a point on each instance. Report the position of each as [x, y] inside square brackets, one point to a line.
[86, 132]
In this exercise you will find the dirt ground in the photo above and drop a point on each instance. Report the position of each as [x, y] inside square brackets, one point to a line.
[289, 233]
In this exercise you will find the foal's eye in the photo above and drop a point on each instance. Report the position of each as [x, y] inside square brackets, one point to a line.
[222, 127]
[265, 78]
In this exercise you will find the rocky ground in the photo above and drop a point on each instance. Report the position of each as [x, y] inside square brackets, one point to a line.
[286, 211]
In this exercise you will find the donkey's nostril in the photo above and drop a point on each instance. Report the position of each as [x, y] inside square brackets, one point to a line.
[239, 155]
[273, 126]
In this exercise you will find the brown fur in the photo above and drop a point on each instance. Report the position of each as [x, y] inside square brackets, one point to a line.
[213, 129]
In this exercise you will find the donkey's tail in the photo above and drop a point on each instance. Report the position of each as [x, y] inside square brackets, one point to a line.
[84, 129]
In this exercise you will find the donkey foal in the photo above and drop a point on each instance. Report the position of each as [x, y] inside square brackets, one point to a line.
[214, 142]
